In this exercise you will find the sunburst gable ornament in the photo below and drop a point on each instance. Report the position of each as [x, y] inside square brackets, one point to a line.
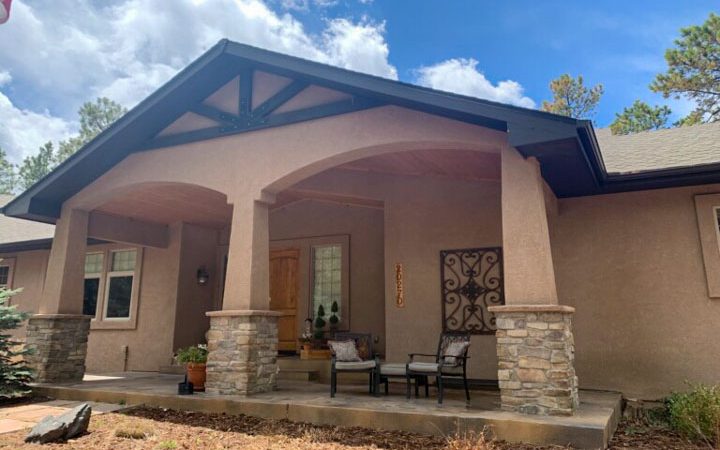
[4, 10]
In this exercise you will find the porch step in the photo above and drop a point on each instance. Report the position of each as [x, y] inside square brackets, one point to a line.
[287, 374]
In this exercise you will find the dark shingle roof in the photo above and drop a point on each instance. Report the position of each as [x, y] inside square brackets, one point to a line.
[19, 230]
[660, 149]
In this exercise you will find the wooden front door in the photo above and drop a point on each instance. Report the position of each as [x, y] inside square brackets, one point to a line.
[284, 267]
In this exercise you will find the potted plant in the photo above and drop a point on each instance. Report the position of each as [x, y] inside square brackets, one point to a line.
[334, 320]
[307, 335]
[194, 358]
[320, 323]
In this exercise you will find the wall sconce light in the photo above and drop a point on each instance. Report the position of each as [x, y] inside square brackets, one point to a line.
[202, 276]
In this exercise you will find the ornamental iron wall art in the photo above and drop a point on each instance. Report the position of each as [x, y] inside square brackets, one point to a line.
[471, 281]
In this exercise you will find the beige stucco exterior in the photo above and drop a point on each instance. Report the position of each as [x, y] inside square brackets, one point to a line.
[631, 264]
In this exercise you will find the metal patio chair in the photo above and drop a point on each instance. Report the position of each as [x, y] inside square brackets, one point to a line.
[445, 366]
[370, 363]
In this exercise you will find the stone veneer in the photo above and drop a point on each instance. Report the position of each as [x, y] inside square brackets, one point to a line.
[242, 349]
[59, 343]
[536, 356]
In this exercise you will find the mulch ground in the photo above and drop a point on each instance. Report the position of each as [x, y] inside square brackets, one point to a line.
[161, 429]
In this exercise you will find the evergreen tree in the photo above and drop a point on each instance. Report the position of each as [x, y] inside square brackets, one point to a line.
[33, 168]
[694, 71]
[8, 178]
[640, 117]
[14, 374]
[572, 98]
[94, 118]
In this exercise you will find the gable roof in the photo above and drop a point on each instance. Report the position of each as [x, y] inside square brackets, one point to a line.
[689, 146]
[566, 148]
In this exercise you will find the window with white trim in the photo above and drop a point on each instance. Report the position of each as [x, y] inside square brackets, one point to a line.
[120, 284]
[327, 278]
[93, 277]
[110, 282]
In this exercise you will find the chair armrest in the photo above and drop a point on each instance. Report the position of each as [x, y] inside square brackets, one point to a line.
[442, 357]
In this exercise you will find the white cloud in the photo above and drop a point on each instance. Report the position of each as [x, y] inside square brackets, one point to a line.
[125, 49]
[358, 46]
[462, 76]
[5, 77]
[23, 131]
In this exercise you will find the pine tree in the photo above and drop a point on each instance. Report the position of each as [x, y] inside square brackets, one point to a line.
[14, 374]
[572, 98]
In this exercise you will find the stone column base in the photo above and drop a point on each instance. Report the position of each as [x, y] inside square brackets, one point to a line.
[242, 357]
[536, 355]
[59, 343]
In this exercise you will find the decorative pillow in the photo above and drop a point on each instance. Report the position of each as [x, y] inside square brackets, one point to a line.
[344, 351]
[363, 349]
[453, 350]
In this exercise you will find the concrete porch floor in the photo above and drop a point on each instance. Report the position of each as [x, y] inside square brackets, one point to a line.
[591, 427]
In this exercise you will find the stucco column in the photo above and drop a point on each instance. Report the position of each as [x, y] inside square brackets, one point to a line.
[243, 339]
[535, 345]
[59, 333]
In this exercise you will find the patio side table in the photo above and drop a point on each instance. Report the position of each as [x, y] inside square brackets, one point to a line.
[398, 370]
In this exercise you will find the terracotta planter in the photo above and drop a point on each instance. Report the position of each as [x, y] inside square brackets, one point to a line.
[196, 375]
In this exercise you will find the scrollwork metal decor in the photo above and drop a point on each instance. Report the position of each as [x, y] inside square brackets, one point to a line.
[471, 281]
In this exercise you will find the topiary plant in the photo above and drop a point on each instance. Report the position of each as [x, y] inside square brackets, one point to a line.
[320, 323]
[334, 320]
[14, 373]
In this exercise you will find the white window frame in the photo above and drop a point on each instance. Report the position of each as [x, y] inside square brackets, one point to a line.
[100, 320]
[110, 274]
[707, 207]
[10, 264]
[344, 242]
[101, 281]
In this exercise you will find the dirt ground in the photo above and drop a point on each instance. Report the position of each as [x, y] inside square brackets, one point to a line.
[160, 429]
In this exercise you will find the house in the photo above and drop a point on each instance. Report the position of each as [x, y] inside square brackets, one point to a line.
[254, 187]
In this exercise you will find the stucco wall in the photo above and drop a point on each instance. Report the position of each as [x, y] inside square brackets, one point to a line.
[150, 343]
[632, 266]
[28, 274]
[296, 224]
[199, 249]
[422, 217]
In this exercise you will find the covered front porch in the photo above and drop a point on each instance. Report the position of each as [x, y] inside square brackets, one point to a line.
[289, 191]
[591, 426]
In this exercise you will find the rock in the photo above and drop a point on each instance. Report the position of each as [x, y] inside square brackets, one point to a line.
[59, 428]
[77, 420]
[47, 430]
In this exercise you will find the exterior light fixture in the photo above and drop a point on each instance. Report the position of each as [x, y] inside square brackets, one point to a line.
[202, 276]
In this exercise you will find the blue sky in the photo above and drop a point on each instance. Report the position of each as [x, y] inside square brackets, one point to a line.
[59, 53]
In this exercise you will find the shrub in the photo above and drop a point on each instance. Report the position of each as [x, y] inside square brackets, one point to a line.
[696, 414]
[196, 354]
[14, 373]
[320, 323]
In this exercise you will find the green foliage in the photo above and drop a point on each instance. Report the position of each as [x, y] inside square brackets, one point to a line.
[8, 178]
[320, 323]
[694, 70]
[196, 354]
[34, 167]
[696, 414]
[94, 118]
[14, 374]
[572, 98]
[640, 117]
[334, 308]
